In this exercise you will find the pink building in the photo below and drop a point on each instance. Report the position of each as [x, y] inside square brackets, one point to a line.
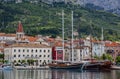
[112, 48]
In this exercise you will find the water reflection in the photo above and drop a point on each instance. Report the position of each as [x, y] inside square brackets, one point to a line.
[59, 74]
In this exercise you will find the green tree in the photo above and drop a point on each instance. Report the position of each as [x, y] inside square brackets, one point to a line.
[30, 62]
[107, 57]
[104, 57]
[23, 61]
[6, 61]
[19, 61]
[2, 56]
[118, 59]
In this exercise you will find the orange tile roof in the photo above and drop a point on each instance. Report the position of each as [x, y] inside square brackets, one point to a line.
[7, 35]
[11, 35]
[96, 41]
[59, 44]
[1, 50]
[31, 38]
[112, 44]
[50, 39]
[2, 34]
[29, 45]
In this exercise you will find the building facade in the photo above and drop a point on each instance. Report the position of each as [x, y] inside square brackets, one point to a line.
[112, 48]
[19, 52]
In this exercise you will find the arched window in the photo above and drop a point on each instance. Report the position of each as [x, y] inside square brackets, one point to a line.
[19, 50]
[32, 50]
[36, 50]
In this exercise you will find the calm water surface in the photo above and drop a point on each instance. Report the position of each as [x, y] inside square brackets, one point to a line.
[59, 74]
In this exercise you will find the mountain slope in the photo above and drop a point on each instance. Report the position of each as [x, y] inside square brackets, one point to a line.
[46, 19]
[107, 5]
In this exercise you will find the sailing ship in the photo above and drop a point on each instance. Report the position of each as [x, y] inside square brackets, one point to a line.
[97, 65]
[93, 64]
[66, 64]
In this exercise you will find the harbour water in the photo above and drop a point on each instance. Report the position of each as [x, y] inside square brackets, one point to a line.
[59, 74]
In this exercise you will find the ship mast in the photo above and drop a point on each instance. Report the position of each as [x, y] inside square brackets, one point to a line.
[72, 37]
[91, 54]
[102, 37]
[63, 34]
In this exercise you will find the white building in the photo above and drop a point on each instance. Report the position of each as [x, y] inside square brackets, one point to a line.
[7, 37]
[18, 52]
[79, 54]
[96, 47]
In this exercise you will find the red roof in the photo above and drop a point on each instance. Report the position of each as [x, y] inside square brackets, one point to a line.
[112, 44]
[58, 44]
[31, 39]
[20, 27]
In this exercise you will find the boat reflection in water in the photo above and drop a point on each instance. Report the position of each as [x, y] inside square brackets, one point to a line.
[59, 74]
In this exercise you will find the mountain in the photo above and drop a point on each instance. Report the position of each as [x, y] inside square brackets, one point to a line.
[107, 5]
[45, 19]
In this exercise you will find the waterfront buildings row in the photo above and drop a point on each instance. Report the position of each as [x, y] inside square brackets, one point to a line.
[20, 47]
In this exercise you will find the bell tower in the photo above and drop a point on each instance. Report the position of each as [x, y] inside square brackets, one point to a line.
[19, 32]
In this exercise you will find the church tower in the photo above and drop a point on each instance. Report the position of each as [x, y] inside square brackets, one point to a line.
[20, 33]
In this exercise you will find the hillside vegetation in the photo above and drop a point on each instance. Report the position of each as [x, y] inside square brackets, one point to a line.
[46, 19]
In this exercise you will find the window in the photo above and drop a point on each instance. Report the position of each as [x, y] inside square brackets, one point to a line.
[35, 55]
[80, 54]
[23, 50]
[32, 50]
[74, 50]
[80, 50]
[27, 50]
[59, 51]
[48, 55]
[48, 50]
[31, 55]
[35, 50]
[27, 55]
[40, 60]
[40, 43]
[14, 50]
[23, 55]
[39, 55]
[116, 50]
[40, 50]
[18, 55]
[14, 55]
[44, 50]
[44, 55]
[19, 50]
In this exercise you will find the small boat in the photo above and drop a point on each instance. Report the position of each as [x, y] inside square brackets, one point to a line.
[7, 68]
[116, 67]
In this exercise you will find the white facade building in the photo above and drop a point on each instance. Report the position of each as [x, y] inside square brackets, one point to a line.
[79, 54]
[18, 52]
[96, 47]
[7, 37]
